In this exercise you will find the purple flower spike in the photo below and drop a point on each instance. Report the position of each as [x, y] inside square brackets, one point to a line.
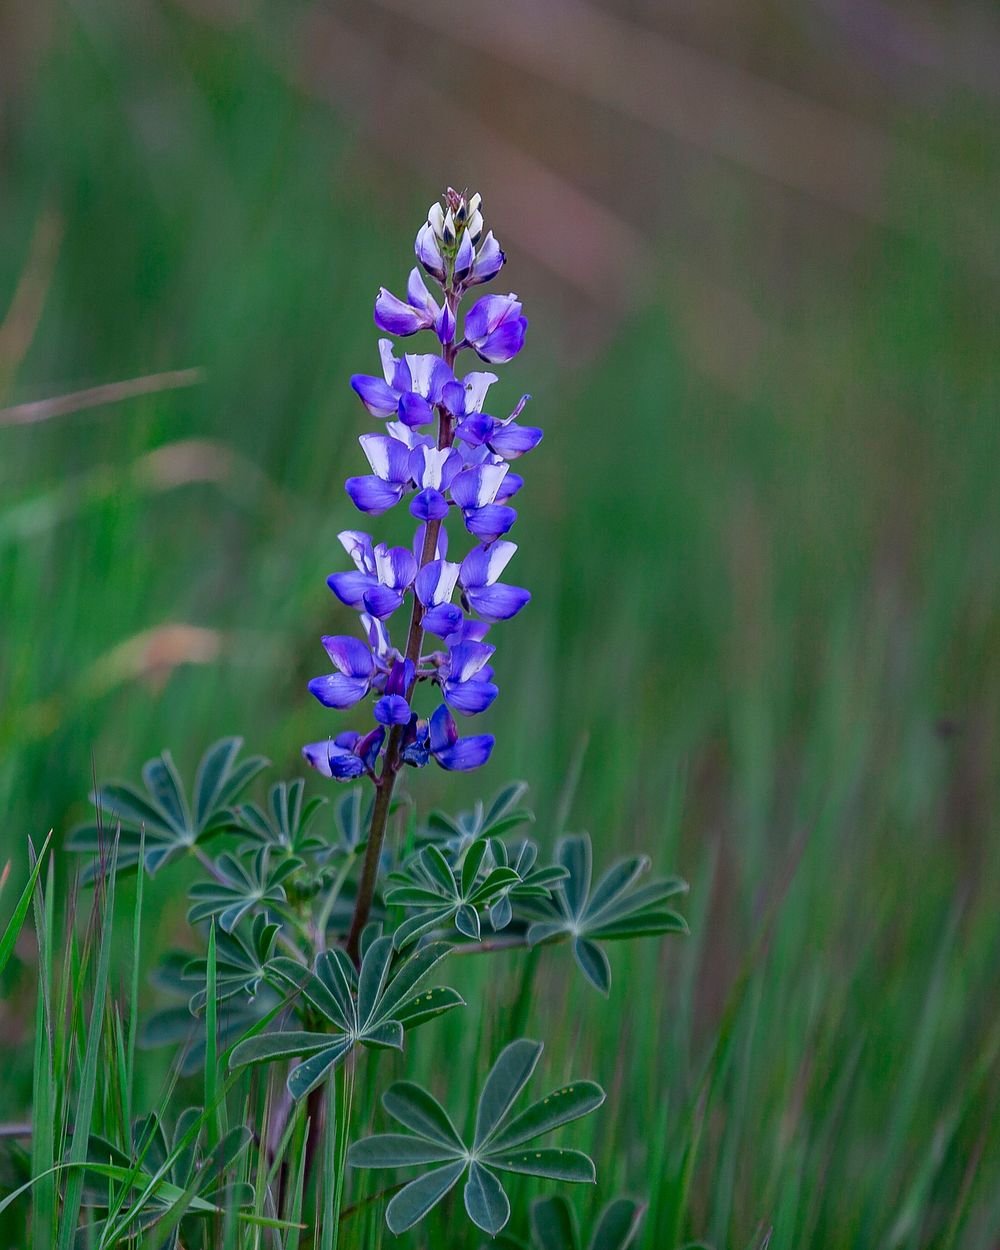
[452, 752]
[468, 687]
[351, 684]
[439, 448]
[495, 328]
[493, 600]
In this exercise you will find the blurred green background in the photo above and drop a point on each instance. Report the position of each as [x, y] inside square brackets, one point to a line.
[760, 251]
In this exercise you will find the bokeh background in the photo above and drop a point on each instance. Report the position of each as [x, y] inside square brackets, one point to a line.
[759, 248]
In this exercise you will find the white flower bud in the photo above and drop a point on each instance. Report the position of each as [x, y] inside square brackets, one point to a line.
[475, 226]
[435, 215]
[475, 204]
[448, 232]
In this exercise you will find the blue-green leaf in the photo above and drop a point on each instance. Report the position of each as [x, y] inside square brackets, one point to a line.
[485, 1201]
[414, 1201]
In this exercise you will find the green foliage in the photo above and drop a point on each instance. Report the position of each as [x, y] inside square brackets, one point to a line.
[499, 1142]
[372, 1007]
[616, 908]
[162, 814]
[554, 1226]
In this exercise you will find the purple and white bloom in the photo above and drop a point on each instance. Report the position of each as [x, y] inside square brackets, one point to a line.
[475, 491]
[432, 469]
[467, 681]
[347, 756]
[352, 682]
[382, 489]
[493, 600]
[495, 328]
[435, 584]
[392, 708]
[380, 582]
[464, 462]
[408, 389]
[419, 312]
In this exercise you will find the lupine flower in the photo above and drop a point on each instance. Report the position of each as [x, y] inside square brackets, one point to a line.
[493, 600]
[495, 328]
[462, 465]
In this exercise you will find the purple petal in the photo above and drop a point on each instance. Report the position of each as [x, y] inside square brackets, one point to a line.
[393, 709]
[504, 343]
[435, 582]
[489, 522]
[396, 567]
[488, 262]
[467, 659]
[442, 730]
[442, 620]
[469, 697]
[388, 457]
[444, 325]
[483, 565]
[350, 655]
[414, 410]
[464, 258]
[350, 588]
[477, 428]
[453, 397]
[381, 601]
[396, 317]
[377, 396]
[499, 602]
[429, 505]
[332, 760]
[358, 546]
[515, 440]
[428, 253]
[369, 746]
[474, 488]
[400, 678]
[441, 549]
[509, 487]
[370, 494]
[466, 754]
[470, 631]
[418, 296]
[336, 690]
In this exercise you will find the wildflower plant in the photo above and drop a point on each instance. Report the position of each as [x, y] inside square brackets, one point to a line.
[323, 937]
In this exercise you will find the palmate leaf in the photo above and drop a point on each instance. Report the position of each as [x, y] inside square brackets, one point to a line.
[242, 962]
[443, 891]
[243, 884]
[554, 1226]
[502, 815]
[171, 822]
[374, 1007]
[500, 1142]
[617, 907]
[286, 820]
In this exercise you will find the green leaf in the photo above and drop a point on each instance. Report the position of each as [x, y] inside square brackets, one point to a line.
[506, 1079]
[560, 1107]
[618, 1226]
[428, 1006]
[548, 1161]
[8, 939]
[303, 1079]
[485, 1201]
[414, 1201]
[574, 854]
[397, 1150]
[210, 780]
[421, 1112]
[287, 1044]
[553, 1224]
[471, 865]
[594, 964]
[467, 922]
[646, 924]
[373, 978]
